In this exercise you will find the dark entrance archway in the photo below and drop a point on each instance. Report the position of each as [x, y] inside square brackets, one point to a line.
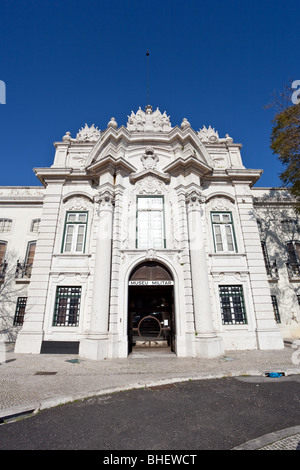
[151, 316]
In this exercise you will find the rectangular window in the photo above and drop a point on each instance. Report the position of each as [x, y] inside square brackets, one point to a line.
[223, 232]
[275, 308]
[20, 311]
[5, 225]
[150, 223]
[266, 258]
[35, 224]
[293, 265]
[3, 246]
[29, 258]
[67, 304]
[75, 232]
[232, 305]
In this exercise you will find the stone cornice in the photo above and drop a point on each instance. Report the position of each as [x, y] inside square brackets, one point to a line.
[50, 174]
[149, 172]
[111, 164]
[235, 175]
[189, 164]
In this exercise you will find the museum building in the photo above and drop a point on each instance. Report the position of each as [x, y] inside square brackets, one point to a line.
[148, 236]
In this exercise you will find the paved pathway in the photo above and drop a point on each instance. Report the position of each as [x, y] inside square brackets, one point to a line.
[35, 382]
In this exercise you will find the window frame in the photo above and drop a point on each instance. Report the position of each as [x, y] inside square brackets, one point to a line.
[33, 222]
[21, 303]
[163, 228]
[62, 318]
[223, 232]
[2, 222]
[4, 244]
[28, 266]
[74, 242]
[293, 256]
[275, 308]
[233, 314]
[266, 257]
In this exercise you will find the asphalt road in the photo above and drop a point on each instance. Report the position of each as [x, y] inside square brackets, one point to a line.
[216, 414]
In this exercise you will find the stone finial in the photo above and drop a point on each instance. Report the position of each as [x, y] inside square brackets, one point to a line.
[112, 123]
[67, 137]
[185, 124]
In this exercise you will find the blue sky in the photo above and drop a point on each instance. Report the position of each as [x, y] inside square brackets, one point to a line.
[69, 62]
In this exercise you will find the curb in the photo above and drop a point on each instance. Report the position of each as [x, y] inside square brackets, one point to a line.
[33, 408]
[267, 439]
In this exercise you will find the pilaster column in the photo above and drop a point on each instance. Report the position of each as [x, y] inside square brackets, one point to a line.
[95, 345]
[30, 337]
[207, 342]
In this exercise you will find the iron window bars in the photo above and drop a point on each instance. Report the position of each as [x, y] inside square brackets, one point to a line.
[232, 305]
[67, 305]
[20, 311]
[275, 308]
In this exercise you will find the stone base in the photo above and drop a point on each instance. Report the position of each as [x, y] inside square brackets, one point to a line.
[209, 347]
[269, 339]
[94, 347]
[28, 343]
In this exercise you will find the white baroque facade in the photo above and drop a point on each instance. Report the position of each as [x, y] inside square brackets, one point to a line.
[148, 236]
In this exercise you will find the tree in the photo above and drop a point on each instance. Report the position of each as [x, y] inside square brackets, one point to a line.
[285, 139]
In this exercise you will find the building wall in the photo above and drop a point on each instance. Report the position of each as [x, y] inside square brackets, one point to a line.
[198, 174]
[279, 224]
[21, 205]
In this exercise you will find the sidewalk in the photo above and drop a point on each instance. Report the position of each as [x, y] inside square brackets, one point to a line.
[29, 383]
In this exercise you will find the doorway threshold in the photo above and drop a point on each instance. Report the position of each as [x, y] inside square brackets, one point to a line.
[151, 352]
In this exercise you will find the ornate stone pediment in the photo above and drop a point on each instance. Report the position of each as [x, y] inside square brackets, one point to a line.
[149, 120]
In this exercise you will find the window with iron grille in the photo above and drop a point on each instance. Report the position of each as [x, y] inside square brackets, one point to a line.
[20, 311]
[223, 232]
[67, 305]
[275, 308]
[232, 305]
[75, 232]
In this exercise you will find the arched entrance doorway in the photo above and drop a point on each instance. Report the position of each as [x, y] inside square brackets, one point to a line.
[151, 316]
